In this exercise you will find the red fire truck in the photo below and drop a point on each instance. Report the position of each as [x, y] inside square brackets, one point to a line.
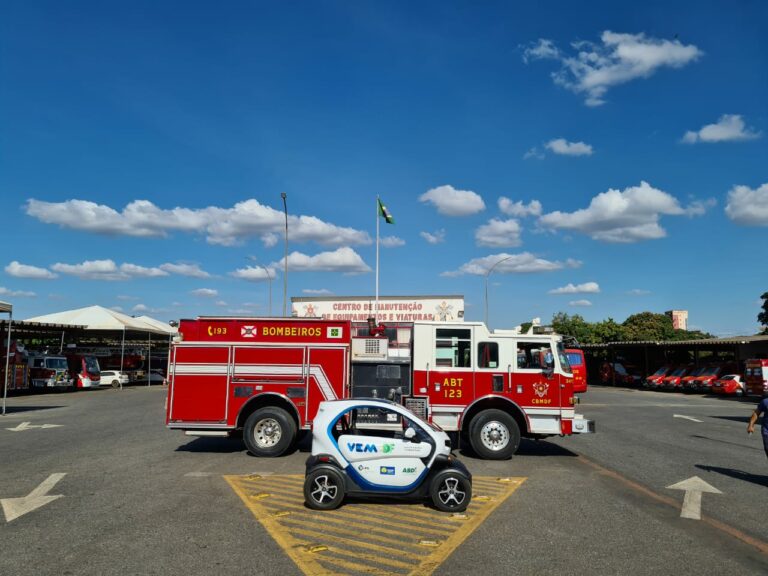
[756, 377]
[266, 377]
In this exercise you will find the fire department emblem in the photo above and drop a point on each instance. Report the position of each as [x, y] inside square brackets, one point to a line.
[540, 388]
[248, 331]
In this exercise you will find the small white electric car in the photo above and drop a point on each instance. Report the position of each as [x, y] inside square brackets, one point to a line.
[371, 447]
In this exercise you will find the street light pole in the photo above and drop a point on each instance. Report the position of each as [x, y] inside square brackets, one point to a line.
[283, 195]
[488, 273]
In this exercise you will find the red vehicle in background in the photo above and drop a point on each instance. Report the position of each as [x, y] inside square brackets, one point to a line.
[674, 379]
[654, 380]
[578, 369]
[615, 374]
[689, 379]
[728, 384]
[705, 380]
[756, 377]
[85, 371]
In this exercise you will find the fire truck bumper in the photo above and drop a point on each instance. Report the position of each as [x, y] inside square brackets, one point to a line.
[583, 426]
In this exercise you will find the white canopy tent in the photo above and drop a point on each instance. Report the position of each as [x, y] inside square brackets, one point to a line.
[5, 307]
[100, 318]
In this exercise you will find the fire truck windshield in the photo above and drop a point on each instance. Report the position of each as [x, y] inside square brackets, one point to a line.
[56, 363]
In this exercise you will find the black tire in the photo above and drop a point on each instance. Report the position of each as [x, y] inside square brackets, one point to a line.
[269, 432]
[450, 491]
[494, 435]
[324, 488]
[115, 384]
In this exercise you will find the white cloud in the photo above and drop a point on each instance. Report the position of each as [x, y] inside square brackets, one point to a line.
[518, 209]
[140, 308]
[452, 202]
[533, 153]
[254, 273]
[205, 293]
[221, 303]
[729, 128]
[318, 292]
[392, 242]
[565, 148]
[522, 263]
[499, 234]
[191, 270]
[344, 260]
[586, 288]
[620, 58]
[107, 270]
[7, 292]
[436, 237]
[625, 216]
[748, 207]
[18, 270]
[580, 303]
[638, 292]
[126, 298]
[223, 226]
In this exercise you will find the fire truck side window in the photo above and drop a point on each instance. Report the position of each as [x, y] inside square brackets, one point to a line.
[534, 356]
[487, 355]
[453, 347]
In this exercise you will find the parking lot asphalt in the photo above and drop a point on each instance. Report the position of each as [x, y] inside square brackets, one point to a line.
[135, 498]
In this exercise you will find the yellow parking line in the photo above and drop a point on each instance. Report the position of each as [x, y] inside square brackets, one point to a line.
[351, 517]
[343, 541]
[319, 536]
[340, 530]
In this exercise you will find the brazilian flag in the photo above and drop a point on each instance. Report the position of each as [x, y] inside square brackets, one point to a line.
[385, 213]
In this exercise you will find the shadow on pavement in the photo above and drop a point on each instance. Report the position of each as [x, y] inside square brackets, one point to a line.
[739, 444]
[527, 448]
[744, 419]
[20, 409]
[235, 443]
[738, 474]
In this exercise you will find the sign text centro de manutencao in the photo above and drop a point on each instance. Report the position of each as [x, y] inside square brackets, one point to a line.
[391, 309]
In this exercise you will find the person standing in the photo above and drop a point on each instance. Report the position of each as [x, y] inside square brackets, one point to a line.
[762, 408]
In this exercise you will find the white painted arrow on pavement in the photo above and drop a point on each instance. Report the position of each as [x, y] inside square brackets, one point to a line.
[28, 426]
[691, 418]
[15, 507]
[693, 487]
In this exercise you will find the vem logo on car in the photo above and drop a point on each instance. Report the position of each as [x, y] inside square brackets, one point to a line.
[360, 447]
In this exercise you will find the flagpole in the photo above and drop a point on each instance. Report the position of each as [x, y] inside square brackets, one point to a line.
[377, 260]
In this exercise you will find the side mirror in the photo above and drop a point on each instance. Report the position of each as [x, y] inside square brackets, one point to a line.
[409, 433]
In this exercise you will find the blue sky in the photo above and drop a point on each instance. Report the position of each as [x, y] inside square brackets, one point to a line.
[616, 155]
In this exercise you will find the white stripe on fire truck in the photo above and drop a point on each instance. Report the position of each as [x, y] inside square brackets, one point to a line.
[200, 369]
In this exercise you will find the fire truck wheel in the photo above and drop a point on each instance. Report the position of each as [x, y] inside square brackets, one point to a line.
[269, 431]
[450, 491]
[494, 435]
[324, 488]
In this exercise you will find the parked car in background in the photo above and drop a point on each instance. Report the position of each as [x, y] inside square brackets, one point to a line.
[113, 378]
[704, 382]
[616, 374]
[674, 379]
[578, 369]
[689, 380]
[728, 384]
[653, 381]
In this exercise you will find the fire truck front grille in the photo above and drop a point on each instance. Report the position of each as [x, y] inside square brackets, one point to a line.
[418, 406]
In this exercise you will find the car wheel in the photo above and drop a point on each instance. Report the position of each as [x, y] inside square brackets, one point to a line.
[450, 491]
[115, 383]
[494, 435]
[324, 488]
[269, 432]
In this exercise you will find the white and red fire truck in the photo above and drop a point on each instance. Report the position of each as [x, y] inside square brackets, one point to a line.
[266, 376]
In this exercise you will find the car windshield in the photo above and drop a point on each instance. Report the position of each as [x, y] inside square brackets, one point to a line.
[678, 372]
[660, 371]
[91, 364]
[620, 369]
[56, 363]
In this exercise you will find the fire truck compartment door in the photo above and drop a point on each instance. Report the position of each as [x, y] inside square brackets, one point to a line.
[384, 463]
[200, 380]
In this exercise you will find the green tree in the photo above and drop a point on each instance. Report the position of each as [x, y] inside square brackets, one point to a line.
[648, 326]
[574, 326]
[608, 331]
[762, 317]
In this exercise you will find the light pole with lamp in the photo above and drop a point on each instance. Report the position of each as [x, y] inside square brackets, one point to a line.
[283, 195]
[488, 273]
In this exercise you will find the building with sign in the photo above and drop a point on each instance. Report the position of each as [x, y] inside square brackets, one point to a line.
[396, 314]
